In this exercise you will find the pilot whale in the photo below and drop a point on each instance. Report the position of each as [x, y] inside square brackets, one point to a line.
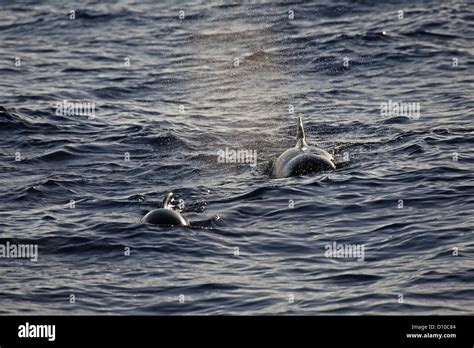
[302, 159]
[165, 215]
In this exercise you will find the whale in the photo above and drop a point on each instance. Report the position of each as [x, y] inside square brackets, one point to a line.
[165, 215]
[302, 159]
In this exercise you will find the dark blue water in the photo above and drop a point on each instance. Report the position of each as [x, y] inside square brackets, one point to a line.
[183, 98]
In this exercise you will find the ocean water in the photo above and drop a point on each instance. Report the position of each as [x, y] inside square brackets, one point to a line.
[171, 89]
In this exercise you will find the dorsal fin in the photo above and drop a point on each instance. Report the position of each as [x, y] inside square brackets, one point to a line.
[167, 200]
[300, 136]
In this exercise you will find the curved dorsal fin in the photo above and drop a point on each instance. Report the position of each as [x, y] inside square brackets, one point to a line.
[300, 136]
[167, 200]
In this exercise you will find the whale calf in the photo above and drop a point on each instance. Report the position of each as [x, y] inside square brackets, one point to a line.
[165, 215]
[302, 159]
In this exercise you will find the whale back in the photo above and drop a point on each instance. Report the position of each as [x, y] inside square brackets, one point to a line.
[308, 163]
[166, 217]
[302, 160]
